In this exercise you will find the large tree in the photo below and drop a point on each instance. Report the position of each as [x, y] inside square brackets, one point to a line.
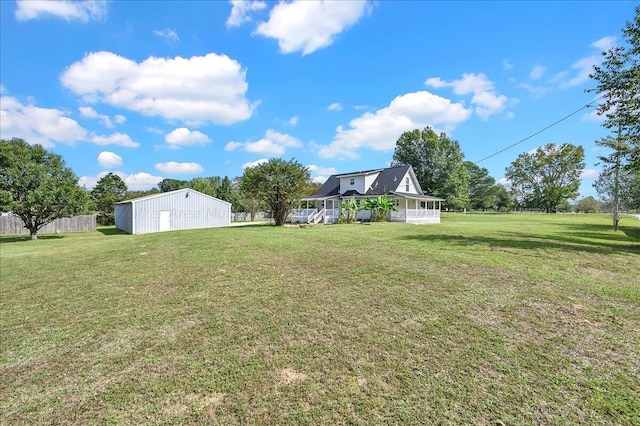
[109, 190]
[547, 177]
[36, 186]
[618, 183]
[438, 163]
[483, 190]
[279, 184]
[168, 184]
[618, 83]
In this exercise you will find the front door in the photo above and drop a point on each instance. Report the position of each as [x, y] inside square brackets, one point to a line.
[164, 221]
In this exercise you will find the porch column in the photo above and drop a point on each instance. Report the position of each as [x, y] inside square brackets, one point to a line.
[406, 209]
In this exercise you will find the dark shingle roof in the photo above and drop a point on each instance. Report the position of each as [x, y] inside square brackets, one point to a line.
[387, 181]
[330, 188]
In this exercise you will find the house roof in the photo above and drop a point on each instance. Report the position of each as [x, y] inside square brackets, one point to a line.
[387, 181]
[162, 194]
[418, 196]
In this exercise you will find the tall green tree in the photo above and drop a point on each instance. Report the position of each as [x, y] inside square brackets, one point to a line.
[225, 191]
[588, 205]
[548, 176]
[438, 163]
[279, 184]
[483, 190]
[206, 185]
[36, 186]
[109, 190]
[618, 82]
[503, 199]
[168, 184]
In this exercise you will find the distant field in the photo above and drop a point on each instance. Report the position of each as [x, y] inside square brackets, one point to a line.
[484, 319]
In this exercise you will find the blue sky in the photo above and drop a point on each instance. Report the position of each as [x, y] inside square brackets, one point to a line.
[156, 90]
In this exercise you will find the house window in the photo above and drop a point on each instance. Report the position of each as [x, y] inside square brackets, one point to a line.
[352, 181]
[423, 205]
[406, 185]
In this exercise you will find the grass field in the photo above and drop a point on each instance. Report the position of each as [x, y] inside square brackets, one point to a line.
[484, 319]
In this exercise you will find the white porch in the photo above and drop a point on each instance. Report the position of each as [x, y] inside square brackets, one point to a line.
[416, 210]
[419, 210]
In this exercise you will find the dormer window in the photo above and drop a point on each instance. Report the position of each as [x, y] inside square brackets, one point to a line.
[406, 185]
[352, 181]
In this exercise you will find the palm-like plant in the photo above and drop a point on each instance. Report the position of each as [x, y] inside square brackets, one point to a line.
[379, 207]
[352, 209]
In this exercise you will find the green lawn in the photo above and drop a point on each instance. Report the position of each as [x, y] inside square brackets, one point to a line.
[484, 319]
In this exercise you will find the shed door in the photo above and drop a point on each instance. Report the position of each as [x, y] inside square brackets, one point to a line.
[164, 221]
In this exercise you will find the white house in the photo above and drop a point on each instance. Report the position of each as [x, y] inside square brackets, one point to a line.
[398, 183]
[172, 211]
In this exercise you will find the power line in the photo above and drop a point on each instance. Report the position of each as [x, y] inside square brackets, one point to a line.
[540, 131]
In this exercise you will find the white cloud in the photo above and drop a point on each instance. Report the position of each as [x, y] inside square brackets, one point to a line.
[507, 64]
[307, 26]
[120, 119]
[589, 174]
[537, 72]
[88, 112]
[168, 34]
[336, 106]
[504, 182]
[183, 137]
[83, 11]
[584, 66]
[241, 11]
[273, 143]
[486, 100]
[109, 159]
[195, 90]
[175, 168]
[44, 126]
[136, 182]
[536, 91]
[121, 139]
[605, 43]
[318, 170]
[230, 146]
[320, 173]
[381, 129]
[254, 163]
[141, 181]
[593, 116]
[293, 120]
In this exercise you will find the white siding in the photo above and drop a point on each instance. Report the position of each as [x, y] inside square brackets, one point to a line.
[413, 185]
[361, 183]
[187, 209]
[368, 181]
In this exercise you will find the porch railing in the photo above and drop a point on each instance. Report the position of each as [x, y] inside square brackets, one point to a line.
[316, 217]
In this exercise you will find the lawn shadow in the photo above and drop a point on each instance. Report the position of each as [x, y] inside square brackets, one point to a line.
[27, 237]
[110, 230]
[593, 242]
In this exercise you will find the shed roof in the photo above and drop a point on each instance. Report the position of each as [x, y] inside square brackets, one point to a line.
[162, 194]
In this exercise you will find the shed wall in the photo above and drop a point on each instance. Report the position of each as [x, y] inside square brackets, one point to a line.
[188, 210]
[124, 217]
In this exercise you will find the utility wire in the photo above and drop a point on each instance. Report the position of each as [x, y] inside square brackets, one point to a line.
[589, 105]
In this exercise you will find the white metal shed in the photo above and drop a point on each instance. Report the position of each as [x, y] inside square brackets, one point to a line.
[172, 211]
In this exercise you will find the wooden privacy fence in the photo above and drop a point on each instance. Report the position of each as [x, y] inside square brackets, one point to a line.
[12, 225]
